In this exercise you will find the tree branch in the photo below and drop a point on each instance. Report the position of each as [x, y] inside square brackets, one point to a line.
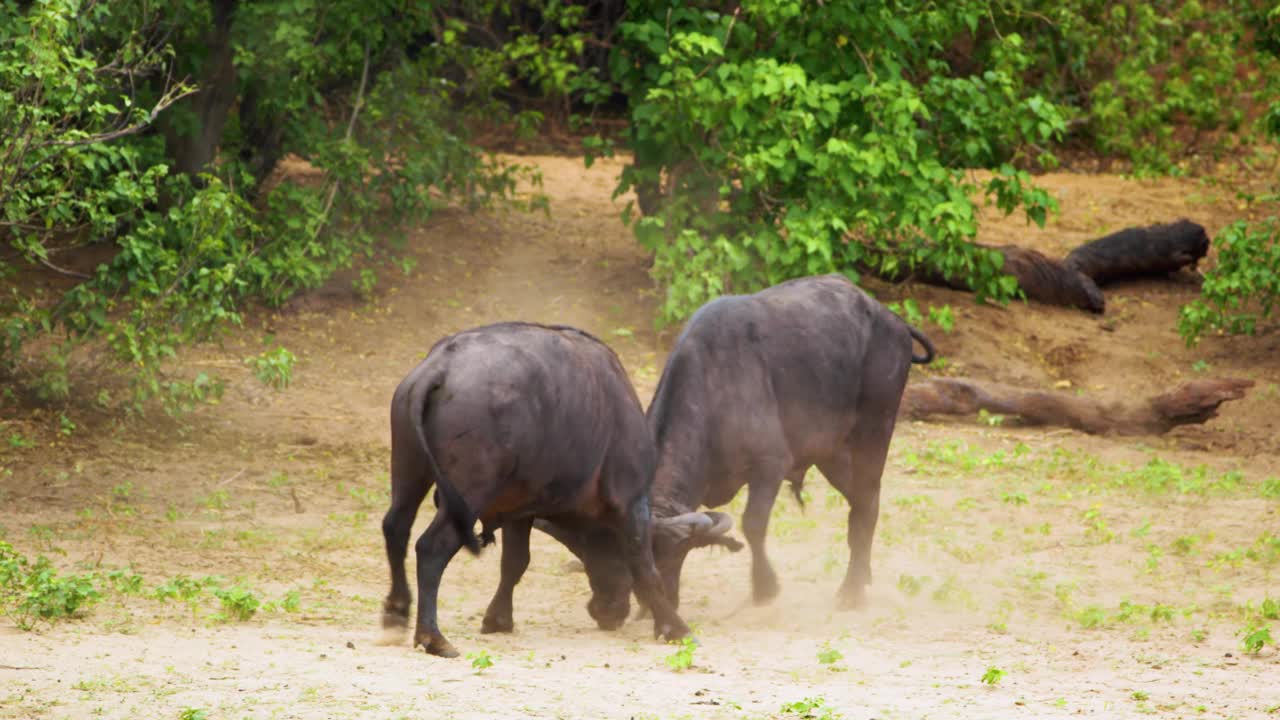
[351, 128]
[69, 273]
[169, 98]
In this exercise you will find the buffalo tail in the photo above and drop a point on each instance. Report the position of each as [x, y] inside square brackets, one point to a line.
[452, 504]
[924, 342]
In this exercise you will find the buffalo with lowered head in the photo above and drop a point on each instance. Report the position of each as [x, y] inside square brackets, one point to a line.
[518, 421]
[759, 388]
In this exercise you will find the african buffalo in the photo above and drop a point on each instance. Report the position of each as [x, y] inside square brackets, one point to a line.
[759, 388]
[513, 422]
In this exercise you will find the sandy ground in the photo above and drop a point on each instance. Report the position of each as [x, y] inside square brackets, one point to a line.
[1105, 577]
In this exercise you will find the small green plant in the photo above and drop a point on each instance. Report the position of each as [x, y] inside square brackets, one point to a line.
[1255, 637]
[1200, 366]
[182, 588]
[1269, 609]
[1129, 611]
[273, 367]
[908, 310]
[1199, 635]
[682, 658]
[32, 592]
[481, 660]
[1270, 488]
[18, 442]
[993, 675]
[1091, 616]
[216, 500]
[942, 317]
[238, 603]
[1096, 527]
[193, 713]
[124, 582]
[1139, 695]
[992, 419]
[828, 655]
[1186, 545]
[814, 708]
[1014, 498]
[1154, 553]
[911, 584]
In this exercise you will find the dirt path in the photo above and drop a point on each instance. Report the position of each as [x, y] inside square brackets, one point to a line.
[1107, 578]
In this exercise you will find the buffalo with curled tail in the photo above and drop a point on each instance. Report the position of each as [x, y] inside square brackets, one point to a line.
[758, 389]
[513, 422]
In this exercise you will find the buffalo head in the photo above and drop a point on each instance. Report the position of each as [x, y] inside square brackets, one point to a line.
[606, 568]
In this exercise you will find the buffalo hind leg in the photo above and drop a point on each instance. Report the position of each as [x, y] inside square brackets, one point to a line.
[638, 546]
[515, 560]
[407, 491]
[435, 549]
[857, 477]
[761, 494]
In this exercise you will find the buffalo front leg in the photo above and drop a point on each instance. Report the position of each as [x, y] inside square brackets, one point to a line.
[755, 526]
[407, 491]
[515, 560]
[638, 546]
[435, 549]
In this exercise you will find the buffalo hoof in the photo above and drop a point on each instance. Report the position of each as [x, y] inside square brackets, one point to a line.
[395, 618]
[764, 590]
[608, 616]
[610, 624]
[852, 598]
[493, 624]
[671, 631]
[437, 645]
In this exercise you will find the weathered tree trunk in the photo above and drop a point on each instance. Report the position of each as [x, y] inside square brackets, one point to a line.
[193, 147]
[263, 132]
[1041, 278]
[1190, 403]
[1134, 252]
[1075, 280]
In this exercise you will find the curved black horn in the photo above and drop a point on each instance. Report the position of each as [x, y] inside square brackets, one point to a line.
[721, 523]
[685, 525]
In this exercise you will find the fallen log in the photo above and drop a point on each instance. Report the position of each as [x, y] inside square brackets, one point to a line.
[1041, 278]
[1192, 402]
[1140, 251]
[1049, 281]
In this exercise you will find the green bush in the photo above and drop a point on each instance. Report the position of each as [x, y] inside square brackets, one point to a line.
[1152, 83]
[1244, 286]
[32, 593]
[1242, 289]
[791, 138]
[177, 195]
[796, 138]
